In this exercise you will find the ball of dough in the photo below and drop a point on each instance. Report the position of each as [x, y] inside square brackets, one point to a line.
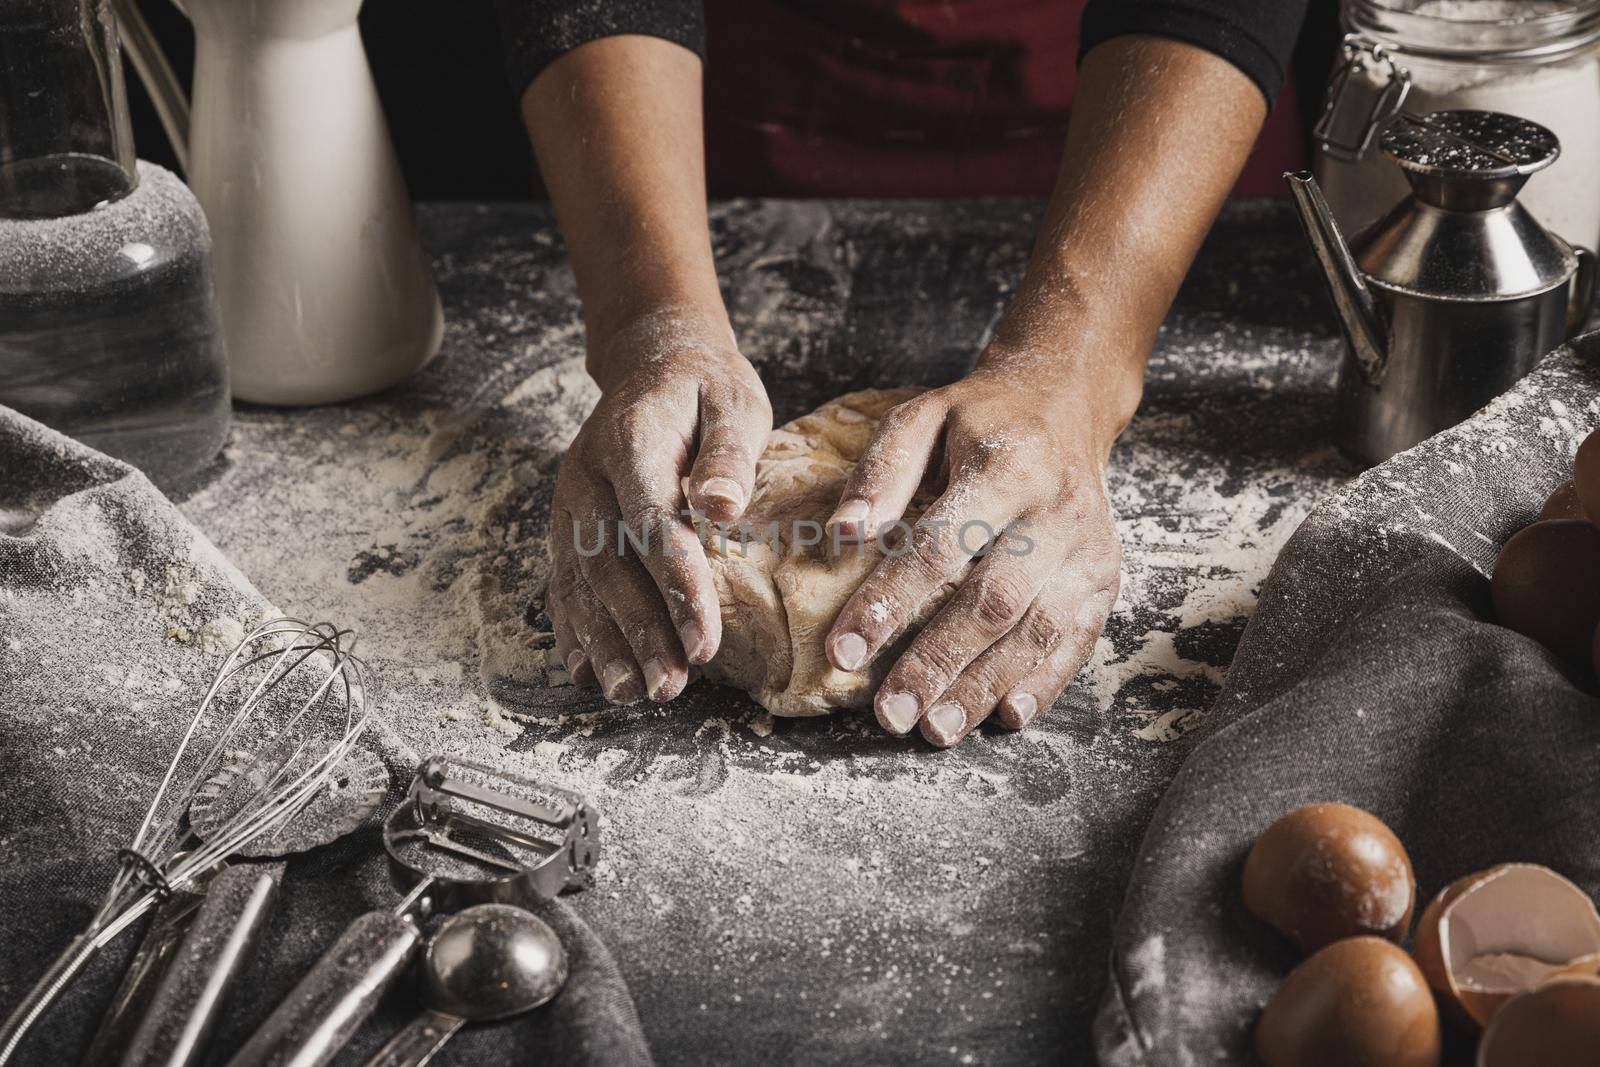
[780, 596]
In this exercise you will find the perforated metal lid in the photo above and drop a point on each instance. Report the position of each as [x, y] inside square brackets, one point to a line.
[1461, 235]
[1485, 145]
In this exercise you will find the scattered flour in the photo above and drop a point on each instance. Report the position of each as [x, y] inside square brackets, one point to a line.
[859, 866]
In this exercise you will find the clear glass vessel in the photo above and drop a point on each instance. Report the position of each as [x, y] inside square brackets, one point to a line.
[1537, 59]
[108, 323]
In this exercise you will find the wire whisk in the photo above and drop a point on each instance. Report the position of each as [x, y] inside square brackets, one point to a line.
[294, 696]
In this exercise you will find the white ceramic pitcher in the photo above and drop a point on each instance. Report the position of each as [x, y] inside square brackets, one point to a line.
[323, 288]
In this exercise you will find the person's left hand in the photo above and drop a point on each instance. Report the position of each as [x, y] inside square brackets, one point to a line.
[1026, 617]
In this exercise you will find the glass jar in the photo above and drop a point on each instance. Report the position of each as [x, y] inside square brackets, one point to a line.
[108, 322]
[1539, 59]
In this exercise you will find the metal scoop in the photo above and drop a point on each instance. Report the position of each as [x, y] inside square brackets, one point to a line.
[489, 962]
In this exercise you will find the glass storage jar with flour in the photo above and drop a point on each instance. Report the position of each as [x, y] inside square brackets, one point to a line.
[1539, 59]
[108, 320]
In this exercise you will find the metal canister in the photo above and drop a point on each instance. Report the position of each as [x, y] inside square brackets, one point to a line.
[1457, 291]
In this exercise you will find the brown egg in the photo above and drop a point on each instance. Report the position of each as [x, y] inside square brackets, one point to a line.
[1555, 1025]
[1586, 474]
[1359, 1002]
[1563, 504]
[1327, 871]
[1547, 586]
[1493, 935]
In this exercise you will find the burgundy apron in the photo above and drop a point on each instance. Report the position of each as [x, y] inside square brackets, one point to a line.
[907, 98]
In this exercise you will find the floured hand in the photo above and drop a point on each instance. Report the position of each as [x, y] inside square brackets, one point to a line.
[1014, 467]
[681, 412]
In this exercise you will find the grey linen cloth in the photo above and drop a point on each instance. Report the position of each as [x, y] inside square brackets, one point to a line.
[114, 612]
[1372, 674]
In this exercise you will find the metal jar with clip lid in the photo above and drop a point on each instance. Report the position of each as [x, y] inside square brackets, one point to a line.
[1536, 59]
[1454, 294]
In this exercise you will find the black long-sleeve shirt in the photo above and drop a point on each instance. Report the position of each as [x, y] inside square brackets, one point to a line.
[1256, 36]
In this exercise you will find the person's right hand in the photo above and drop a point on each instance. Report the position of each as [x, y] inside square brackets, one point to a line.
[677, 402]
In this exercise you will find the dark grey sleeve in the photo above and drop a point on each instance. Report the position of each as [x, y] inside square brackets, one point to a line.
[538, 32]
[1254, 35]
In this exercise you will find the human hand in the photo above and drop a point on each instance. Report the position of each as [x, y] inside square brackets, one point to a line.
[1026, 617]
[677, 400]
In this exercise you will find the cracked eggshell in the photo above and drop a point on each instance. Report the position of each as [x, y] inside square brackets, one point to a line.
[1555, 1025]
[1329, 871]
[1359, 1002]
[1492, 935]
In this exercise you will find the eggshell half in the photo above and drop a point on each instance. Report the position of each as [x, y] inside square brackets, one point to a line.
[1546, 585]
[1493, 935]
[1586, 475]
[1555, 1025]
[1563, 504]
[1360, 1002]
[1327, 871]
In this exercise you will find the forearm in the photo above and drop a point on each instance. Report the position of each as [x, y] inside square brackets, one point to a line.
[1159, 132]
[616, 126]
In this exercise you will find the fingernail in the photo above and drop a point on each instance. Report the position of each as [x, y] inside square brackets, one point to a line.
[901, 710]
[692, 638]
[849, 651]
[615, 677]
[574, 660]
[655, 678]
[946, 721]
[851, 513]
[725, 491]
[1023, 707]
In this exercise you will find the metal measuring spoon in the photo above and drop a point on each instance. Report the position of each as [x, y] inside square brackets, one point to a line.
[490, 961]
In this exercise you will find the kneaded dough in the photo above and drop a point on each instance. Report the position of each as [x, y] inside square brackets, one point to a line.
[779, 598]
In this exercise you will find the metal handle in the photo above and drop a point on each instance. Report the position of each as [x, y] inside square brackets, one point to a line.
[1582, 292]
[45, 992]
[331, 1002]
[156, 949]
[176, 1030]
[1354, 109]
[417, 1043]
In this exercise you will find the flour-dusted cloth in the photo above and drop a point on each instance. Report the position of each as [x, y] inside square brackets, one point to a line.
[114, 612]
[1371, 674]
